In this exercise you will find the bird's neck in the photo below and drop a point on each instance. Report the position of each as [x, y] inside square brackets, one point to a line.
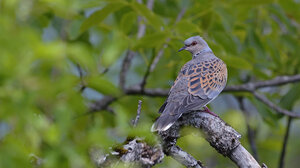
[202, 52]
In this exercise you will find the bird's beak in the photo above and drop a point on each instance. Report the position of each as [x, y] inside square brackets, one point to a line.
[183, 48]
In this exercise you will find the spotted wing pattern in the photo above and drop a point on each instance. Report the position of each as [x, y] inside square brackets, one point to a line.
[207, 78]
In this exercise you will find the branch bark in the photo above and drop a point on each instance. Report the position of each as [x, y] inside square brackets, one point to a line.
[219, 135]
[138, 113]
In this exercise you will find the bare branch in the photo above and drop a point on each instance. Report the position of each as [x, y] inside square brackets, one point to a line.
[285, 141]
[137, 90]
[180, 15]
[102, 104]
[82, 83]
[125, 67]
[150, 4]
[248, 87]
[160, 53]
[250, 131]
[133, 153]
[138, 113]
[280, 80]
[144, 81]
[130, 54]
[242, 158]
[219, 135]
[158, 56]
[276, 108]
[142, 26]
[183, 157]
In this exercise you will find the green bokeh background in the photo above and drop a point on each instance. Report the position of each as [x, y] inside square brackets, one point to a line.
[43, 41]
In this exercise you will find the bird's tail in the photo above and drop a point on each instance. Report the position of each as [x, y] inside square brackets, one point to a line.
[164, 122]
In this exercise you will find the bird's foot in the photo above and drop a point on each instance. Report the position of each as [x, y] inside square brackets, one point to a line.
[206, 110]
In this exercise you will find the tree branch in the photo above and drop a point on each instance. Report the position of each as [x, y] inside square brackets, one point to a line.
[125, 67]
[267, 102]
[155, 59]
[132, 153]
[142, 26]
[183, 157]
[250, 131]
[101, 104]
[285, 141]
[219, 135]
[82, 83]
[138, 113]
[130, 54]
[249, 87]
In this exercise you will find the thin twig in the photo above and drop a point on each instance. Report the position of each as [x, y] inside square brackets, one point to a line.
[144, 81]
[125, 67]
[162, 50]
[184, 158]
[130, 54]
[285, 141]
[155, 59]
[180, 15]
[250, 131]
[280, 80]
[276, 108]
[138, 113]
[150, 4]
[142, 26]
[101, 104]
[158, 56]
[82, 83]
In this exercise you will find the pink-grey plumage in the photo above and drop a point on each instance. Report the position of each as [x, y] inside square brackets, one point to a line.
[199, 82]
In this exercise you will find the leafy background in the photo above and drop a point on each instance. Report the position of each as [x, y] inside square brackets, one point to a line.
[42, 42]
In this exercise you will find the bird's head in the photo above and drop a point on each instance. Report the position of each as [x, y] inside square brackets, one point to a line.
[194, 45]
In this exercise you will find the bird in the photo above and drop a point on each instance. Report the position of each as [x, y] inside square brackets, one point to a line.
[199, 82]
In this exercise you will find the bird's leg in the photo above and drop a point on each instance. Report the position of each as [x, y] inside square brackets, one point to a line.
[206, 110]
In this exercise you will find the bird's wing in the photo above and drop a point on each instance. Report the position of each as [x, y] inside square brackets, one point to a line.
[196, 85]
[207, 78]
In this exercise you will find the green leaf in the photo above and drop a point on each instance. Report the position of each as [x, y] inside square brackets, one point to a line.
[73, 29]
[237, 62]
[142, 10]
[80, 53]
[267, 114]
[152, 40]
[103, 85]
[226, 41]
[128, 21]
[114, 48]
[184, 27]
[100, 15]
[288, 100]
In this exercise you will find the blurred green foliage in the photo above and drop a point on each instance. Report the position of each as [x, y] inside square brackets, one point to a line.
[41, 42]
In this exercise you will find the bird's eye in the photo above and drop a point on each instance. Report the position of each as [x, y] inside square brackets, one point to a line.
[194, 43]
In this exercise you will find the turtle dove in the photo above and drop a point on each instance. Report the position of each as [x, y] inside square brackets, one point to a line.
[199, 82]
